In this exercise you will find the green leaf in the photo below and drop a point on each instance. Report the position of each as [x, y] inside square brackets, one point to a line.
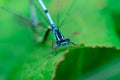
[86, 63]
[114, 9]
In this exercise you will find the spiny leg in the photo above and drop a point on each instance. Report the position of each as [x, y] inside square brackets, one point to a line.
[46, 34]
[54, 48]
[74, 44]
[43, 38]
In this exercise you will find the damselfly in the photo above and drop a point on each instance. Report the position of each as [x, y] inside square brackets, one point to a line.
[59, 37]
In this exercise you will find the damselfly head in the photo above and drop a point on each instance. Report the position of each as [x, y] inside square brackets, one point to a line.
[63, 42]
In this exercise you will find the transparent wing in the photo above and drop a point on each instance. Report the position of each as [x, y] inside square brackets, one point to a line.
[31, 22]
[33, 14]
[34, 17]
[58, 12]
[24, 19]
[41, 13]
[67, 14]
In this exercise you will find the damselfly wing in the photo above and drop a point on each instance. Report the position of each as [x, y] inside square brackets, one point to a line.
[40, 32]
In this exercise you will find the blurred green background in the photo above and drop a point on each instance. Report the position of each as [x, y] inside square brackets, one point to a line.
[94, 24]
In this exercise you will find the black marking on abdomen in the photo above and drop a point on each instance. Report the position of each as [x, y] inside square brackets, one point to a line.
[46, 11]
[59, 34]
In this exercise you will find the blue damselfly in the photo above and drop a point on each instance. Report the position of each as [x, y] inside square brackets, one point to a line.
[59, 37]
[36, 25]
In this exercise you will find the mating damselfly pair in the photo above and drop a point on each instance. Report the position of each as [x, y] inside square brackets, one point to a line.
[59, 37]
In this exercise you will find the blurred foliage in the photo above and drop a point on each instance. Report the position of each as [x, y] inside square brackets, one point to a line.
[74, 64]
[94, 23]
